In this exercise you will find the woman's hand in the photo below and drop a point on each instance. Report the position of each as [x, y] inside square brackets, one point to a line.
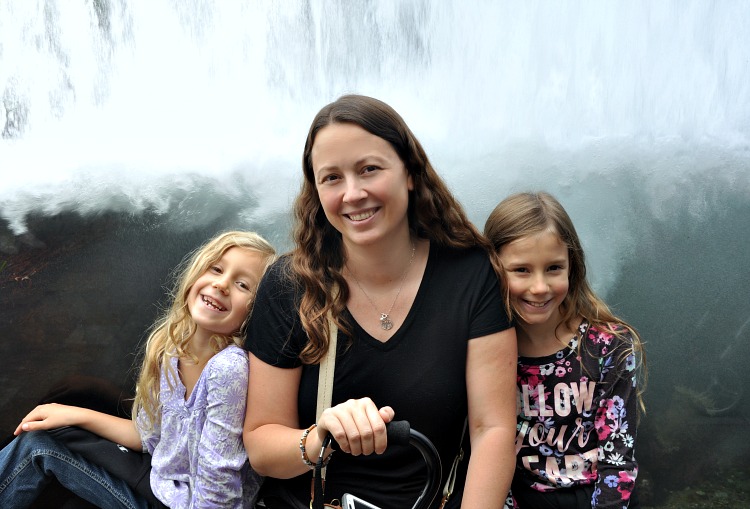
[49, 416]
[358, 426]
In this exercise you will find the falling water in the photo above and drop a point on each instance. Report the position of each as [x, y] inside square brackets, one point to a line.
[132, 130]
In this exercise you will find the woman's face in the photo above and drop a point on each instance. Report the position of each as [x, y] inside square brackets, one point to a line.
[362, 184]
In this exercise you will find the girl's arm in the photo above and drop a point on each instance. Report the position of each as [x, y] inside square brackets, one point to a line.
[219, 475]
[54, 415]
[615, 425]
[491, 385]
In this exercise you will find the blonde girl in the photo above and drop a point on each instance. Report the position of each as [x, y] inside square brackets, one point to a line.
[189, 404]
[576, 379]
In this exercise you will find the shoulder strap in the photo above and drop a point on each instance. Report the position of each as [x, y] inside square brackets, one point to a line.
[327, 367]
[450, 483]
[325, 393]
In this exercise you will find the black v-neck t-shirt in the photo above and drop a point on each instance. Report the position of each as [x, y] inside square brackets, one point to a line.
[420, 371]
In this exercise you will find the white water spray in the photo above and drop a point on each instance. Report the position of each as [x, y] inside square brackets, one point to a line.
[106, 104]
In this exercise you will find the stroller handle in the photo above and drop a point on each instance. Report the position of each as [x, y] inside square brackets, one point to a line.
[434, 468]
[400, 433]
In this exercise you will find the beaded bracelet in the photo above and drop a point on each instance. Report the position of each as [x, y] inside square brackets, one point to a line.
[303, 451]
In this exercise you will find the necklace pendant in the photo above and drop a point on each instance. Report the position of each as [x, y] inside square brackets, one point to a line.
[385, 322]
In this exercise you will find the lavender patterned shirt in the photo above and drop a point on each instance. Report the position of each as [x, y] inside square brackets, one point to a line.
[199, 459]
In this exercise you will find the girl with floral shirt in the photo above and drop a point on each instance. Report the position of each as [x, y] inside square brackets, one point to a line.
[577, 393]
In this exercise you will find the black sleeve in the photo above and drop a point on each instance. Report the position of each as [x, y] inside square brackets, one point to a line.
[489, 315]
[274, 333]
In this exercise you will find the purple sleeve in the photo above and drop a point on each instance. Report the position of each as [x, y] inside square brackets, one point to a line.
[615, 425]
[150, 435]
[222, 456]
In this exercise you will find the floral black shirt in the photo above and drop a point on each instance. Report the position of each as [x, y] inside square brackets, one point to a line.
[577, 417]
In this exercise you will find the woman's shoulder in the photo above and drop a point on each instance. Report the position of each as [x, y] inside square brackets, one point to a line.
[469, 256]
[461, 266]
[280, 269]
[280, 280]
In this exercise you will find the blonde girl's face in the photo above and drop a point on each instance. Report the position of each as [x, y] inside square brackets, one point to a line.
[219, 299]
[537, 268]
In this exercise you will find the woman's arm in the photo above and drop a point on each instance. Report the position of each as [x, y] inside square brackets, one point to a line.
[54, 415]
[491, 386]
[272, 429]
[271, 432]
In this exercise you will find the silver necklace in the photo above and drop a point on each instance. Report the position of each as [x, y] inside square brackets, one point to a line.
[385, 321]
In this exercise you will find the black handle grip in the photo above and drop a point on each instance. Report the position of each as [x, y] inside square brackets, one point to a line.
[398, 433]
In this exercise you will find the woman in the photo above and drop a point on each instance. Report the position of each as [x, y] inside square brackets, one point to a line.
[382, 245]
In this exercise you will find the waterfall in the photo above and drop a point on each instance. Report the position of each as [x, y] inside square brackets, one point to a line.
[181, 117]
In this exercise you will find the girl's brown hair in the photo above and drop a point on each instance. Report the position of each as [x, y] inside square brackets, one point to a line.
[524, 214]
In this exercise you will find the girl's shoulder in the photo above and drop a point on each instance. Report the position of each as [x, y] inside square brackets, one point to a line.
[229, 361]
[606, 340]
[605, 333]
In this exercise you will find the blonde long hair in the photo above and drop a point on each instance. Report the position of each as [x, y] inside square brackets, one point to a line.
[318, 256]
[524, 214]
[171, 333]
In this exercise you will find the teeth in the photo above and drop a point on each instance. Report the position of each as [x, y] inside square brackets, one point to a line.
[362, 216]
[212, 304]
[536, 304]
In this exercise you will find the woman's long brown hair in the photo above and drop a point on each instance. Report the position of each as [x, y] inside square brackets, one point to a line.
[318, 257]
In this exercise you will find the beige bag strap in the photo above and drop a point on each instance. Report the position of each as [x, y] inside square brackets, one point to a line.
[325, 372]
[327, 367]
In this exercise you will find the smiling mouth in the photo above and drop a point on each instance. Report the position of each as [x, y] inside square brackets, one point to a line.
[536, 304]
[208, 301]
[361, 216]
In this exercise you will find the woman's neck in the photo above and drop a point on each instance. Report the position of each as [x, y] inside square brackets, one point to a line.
[382, 289]
[382, 263]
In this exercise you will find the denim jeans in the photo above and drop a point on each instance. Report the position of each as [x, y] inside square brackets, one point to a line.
[29, 462]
